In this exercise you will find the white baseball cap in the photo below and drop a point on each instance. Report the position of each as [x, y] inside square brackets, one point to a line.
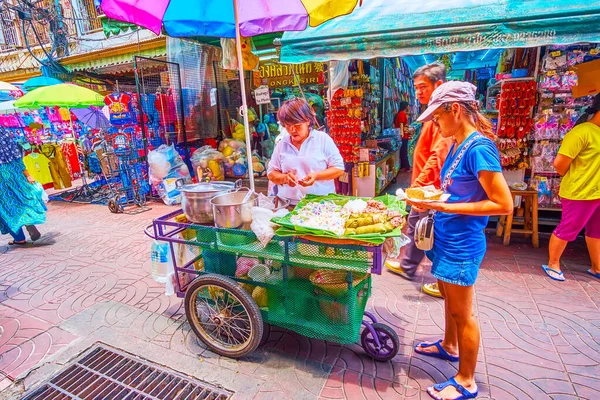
[449, 92]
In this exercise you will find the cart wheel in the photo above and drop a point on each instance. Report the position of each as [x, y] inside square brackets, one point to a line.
[140, 199]
[388, 338]
[223, 315]
[113, 206]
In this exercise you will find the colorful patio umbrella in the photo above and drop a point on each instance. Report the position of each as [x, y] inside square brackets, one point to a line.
[227, 19]
[8, 91]
[40, 81]
[185, 18]
[7, 107]
[8, 87]
[62, 95]
[92, 117]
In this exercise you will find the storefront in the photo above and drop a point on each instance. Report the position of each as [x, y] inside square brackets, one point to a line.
[527, 84]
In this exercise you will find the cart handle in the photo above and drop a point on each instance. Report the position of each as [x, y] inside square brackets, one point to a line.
[150, 235]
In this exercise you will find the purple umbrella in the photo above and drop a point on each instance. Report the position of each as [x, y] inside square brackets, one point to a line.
[92, 117]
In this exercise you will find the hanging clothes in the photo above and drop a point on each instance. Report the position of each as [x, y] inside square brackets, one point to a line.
[58, 166]
[70, 153]
[65, 115]
[53, 114]
[165, 104]
[38, 167]
[119, 108]
[148, 101]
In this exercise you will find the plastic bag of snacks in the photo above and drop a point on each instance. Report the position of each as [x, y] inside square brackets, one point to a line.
[208, 164]
[166, 167]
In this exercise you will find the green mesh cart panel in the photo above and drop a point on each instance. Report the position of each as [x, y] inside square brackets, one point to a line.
[286, 296]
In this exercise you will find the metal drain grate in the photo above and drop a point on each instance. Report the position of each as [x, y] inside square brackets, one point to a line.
[105, 374]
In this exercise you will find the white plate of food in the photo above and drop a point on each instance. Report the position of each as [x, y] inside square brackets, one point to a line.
[425, 194]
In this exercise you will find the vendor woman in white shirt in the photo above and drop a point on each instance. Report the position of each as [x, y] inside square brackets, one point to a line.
[305, 161]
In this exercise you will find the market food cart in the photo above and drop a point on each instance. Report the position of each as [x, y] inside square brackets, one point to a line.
[234, 288]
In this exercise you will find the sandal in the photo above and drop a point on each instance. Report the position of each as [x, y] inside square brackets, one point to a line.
[15, 243]
[589, 271]
[441, 353]
[548, 270]
[34, 234]
[452, 382]
[432, 289]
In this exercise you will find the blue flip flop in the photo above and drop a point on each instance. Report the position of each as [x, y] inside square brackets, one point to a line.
[442, 354]
[547, 269]
[452, 382]
[589, 271]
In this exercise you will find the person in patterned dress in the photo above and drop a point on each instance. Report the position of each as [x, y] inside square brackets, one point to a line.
[21, 203]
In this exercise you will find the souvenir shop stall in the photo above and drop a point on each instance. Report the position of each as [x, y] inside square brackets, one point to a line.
[568, 77]
[73, 148]
[51, 153]
[360, 121]
[515, 82]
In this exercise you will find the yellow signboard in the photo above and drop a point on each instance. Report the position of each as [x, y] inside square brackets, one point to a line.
[282, 75]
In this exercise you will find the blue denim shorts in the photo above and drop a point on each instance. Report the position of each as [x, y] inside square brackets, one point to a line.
[457, 272]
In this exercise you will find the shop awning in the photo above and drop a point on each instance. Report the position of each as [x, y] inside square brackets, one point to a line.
[118, 59]
[383, 28]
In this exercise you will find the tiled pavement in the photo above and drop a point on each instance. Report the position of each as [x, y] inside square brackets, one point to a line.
[89, 280]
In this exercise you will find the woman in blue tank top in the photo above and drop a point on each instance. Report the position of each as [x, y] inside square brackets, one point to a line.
[472, 176]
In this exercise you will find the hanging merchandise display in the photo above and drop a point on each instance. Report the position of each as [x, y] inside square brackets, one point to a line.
[557, 112]
[515, 103]
[344, 121]
[119, 108]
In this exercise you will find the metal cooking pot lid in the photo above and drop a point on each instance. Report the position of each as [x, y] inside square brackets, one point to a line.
[206, 187]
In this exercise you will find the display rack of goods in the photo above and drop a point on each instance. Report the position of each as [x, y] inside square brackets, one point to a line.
[558, 111]
[515, 106]
[344, 120]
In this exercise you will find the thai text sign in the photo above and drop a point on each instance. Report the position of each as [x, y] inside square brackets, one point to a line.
[281, 75]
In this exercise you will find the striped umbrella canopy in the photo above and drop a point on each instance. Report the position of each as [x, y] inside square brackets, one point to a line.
[216, 18]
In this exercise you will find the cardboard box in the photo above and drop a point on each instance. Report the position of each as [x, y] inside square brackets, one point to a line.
[588, 76]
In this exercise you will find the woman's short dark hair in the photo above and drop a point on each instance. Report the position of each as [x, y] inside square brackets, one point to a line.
[403, 106]
[296, 111]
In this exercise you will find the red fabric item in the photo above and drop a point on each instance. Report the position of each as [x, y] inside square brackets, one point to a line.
[117, 104]
[429, 156]
[70, 152]
[165, 105]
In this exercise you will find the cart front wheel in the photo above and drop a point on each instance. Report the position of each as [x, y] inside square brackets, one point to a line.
[223, 315]
[389, 344]
[114, 206]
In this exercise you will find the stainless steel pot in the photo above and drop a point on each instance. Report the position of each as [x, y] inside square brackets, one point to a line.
[234, 209]
[195, 199]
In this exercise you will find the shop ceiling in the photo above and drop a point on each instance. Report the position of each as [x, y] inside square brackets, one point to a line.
[461, 60]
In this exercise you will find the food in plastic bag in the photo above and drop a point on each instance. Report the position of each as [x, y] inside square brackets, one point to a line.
[208, 164]
[392, 246]
[262, 226]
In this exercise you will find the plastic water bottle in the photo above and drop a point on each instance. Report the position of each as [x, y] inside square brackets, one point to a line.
[160, 256]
